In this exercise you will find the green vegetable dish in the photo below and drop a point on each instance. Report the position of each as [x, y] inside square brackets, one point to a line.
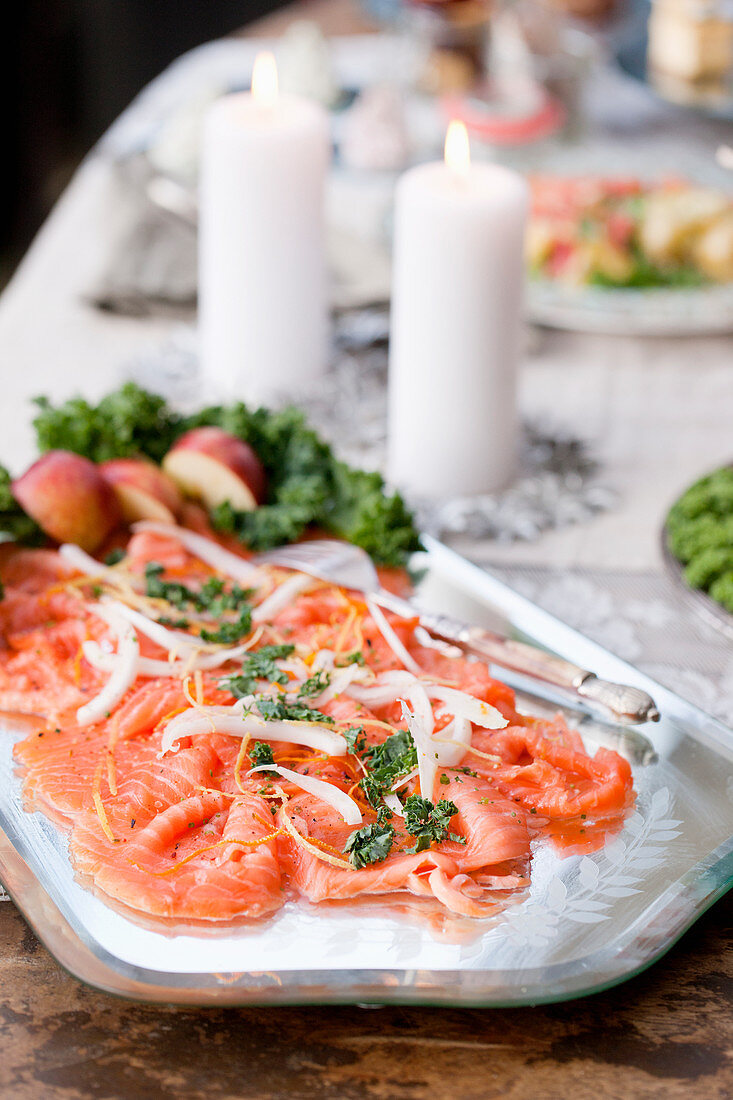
[699, 532]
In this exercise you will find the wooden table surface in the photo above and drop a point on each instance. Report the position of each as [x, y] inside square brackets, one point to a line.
[667, 1033]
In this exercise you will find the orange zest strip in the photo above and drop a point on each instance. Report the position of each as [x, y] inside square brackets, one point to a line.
[77, 666]
[240, 760]
[97, 799]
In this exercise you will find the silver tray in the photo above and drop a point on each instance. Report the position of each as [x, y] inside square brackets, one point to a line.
[588, 923]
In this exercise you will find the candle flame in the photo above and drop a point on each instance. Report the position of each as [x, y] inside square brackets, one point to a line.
[264, 79]
[457, 149]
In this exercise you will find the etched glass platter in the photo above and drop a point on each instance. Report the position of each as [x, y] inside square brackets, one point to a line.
[587, 922]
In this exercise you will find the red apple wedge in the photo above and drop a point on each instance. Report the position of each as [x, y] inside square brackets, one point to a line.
[142, 490]
[68, 497]
[213, 466]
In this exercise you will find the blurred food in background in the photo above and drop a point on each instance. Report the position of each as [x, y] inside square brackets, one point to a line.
[624, 233]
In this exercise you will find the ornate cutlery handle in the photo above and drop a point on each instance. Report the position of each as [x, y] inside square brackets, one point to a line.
[626, 703]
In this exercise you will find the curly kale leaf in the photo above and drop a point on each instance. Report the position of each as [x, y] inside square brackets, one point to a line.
[129, 421]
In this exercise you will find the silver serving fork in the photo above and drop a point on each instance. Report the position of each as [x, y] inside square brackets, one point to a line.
[351, 567]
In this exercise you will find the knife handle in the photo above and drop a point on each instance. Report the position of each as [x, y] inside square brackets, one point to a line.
[627, 704]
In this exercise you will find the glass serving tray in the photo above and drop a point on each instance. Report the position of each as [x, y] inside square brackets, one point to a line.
[588, 922]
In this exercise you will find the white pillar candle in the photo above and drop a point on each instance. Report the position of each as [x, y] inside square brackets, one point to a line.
[262, 271]
[458, 273]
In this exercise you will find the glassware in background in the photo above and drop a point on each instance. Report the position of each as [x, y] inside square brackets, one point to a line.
[690, 50]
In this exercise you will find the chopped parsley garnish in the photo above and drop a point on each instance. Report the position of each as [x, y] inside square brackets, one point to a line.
[258, 666]
[354, 738]
[211, 597]
[114, 556]
[386, 762]
[370, 844]
[355, 658]
[428, 823]
[280, 710]
[229, 633]
[261, 753]
[314, 685]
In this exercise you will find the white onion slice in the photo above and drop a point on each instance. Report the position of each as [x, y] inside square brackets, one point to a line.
[341, 679]
[168, 639]
[227, 720]
[283, 595]
[463, 705]
[427, 755]
[394, 804]
[396, 685]
[124, 673]
[84, 563]
[206, 550]
[458, 733]
[150, 667]
[404, 780]
[326, 792]
[391, 638]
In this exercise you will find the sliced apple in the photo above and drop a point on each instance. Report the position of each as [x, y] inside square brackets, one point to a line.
[142, 489]
[68, 497]
[213, 466]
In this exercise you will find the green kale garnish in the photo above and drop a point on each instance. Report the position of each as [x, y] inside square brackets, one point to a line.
[428, 823]
[261, 753]
[259, 665]
[386, 762]
[280, 710]
[370, 844]
[129, 421]
[14, 523]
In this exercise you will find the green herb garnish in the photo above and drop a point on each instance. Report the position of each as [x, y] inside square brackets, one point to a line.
[370, 844]
[114, 556]
[280, 710]
[229, 633]
[386, 762]
[259, 665]
[261, 753]
[355, 739]
[428, 823]
[314, 685]
[355, 658]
